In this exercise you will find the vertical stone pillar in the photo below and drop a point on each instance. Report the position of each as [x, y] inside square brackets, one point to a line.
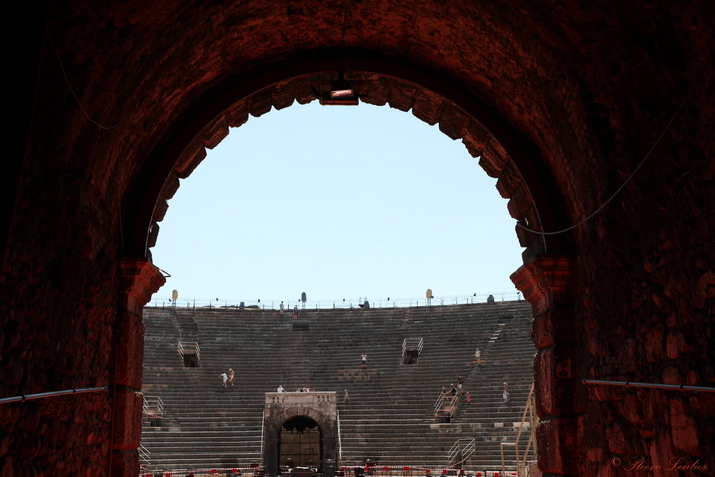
[547, 282]
[141, 280]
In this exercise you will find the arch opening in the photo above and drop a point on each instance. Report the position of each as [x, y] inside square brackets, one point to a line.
[378, 201]
[300, 443]
[504, 154]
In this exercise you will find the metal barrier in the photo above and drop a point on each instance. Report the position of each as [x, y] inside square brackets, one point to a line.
[340, 440]
[530, 410]
[344, 303]
[196, 351]
[144, 456]
[452, 403]
[464, 451]
[153, 407]
[632, 384]
[412, 343]
[30, 397]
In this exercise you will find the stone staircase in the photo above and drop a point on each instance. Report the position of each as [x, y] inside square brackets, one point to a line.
[390, 416]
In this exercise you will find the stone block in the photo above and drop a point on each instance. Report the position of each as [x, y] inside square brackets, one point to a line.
[558, 449]
[127, 412]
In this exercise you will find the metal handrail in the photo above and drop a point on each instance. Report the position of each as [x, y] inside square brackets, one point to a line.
[263, 430]
[528, 409]
[29, 397]
[153, 402]
[232, 303]
[632, 384]
[466, 450]
[340, 441]
[440, 401]
[144, 455]
[420, 345]
[182, 348]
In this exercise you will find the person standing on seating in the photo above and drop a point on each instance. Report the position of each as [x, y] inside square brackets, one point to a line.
[459, 384]
[231, 375]
[505, 394]
[224, 378]
[468, 397]
[363, 359]
[478, 357]
[346, 396]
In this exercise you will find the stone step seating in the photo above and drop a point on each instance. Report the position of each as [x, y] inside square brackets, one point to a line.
[390, 415]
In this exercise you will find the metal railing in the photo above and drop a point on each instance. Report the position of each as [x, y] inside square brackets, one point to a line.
[144, 456]
[415, 343]
[153, 407]
[632, 384]
[30, 397]
[263, 432]
[342, 303]
[189, 344]
[340, 440]
[530, 413]
[464, 451]
[440, 402]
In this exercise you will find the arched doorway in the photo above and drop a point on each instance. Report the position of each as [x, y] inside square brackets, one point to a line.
[300, 443]
[301, 427]
[504, 153]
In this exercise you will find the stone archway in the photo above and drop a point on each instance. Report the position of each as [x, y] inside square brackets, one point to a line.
[545, 280]
[117, 94]
[312, 408]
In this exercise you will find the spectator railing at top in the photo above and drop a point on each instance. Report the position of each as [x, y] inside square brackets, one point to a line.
[343, 303]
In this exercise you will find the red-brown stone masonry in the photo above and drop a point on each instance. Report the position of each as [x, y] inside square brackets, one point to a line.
[453, 122]
[128, 369]
[125, 463]
[127, 427]
[261, 103]
[547, 283]
[645, 307]
[557, 439]
[141, 279]
[190, 158]
[283, 94]
[214, 133]
[428, 107]
[494, 159]
[476, 141]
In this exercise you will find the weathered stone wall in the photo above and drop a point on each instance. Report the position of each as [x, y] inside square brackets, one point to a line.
[583, 91]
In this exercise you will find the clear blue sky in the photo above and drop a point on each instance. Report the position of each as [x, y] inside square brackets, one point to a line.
[338, 202]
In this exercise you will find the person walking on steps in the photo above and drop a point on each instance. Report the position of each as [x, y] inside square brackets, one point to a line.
[505, 394]
[363, 360]
[478, 357]
[224, 378]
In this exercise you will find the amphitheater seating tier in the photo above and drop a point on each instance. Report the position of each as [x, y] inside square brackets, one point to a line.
[390, 416]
